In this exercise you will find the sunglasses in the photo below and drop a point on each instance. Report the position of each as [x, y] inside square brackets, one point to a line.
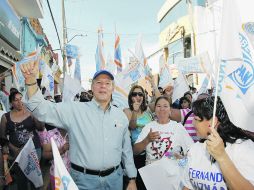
[137, 94]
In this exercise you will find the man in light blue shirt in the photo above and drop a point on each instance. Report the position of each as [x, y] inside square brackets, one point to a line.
[98, 132]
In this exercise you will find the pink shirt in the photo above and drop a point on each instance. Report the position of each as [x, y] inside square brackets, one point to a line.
[188, 124]
[60, 141]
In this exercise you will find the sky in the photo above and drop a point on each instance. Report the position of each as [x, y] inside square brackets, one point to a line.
[128, 18]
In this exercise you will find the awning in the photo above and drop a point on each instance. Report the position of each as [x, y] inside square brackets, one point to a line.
[8, 51]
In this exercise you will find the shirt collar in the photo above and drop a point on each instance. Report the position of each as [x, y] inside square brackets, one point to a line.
[99, 106]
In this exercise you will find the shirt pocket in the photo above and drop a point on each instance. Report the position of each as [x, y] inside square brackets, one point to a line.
[118, 135]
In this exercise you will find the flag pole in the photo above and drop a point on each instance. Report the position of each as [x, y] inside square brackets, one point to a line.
[218, 71]
[64, 39]
[216, 94]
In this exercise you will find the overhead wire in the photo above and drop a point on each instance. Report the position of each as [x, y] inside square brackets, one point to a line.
[52, 17]
[113, 33]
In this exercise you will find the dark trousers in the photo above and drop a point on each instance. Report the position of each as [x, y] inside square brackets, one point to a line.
[140, 161]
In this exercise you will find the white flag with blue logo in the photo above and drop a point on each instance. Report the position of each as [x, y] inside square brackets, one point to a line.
[63, 180]
[48, 80]
[249, 30]
[130, 75]
[204, 86]
[165, 76]
[236, 77]
[29, 163]
[180, 87]
[71, 51]
[99, 55]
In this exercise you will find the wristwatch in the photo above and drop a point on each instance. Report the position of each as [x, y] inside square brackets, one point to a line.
[132, 178]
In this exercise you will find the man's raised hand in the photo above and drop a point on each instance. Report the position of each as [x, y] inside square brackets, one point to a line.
[30, 71]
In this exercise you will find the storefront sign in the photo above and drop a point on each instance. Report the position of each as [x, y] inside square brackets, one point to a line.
[10, 26]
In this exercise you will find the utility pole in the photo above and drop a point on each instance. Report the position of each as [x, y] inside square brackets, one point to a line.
[193, 35]
[64, 39]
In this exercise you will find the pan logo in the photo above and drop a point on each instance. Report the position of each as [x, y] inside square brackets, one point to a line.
[243, 77]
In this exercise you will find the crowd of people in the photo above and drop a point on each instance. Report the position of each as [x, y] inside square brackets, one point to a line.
[102, 146]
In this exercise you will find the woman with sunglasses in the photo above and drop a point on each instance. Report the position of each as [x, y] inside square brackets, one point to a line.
[139, 114]
[224, 158]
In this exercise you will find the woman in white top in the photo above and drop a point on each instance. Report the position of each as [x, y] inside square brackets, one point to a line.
[225, 159]
[162, 138]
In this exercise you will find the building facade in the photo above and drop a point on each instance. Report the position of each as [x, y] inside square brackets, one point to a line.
[10, 34]
[32, 37]
[20, 35]
[177, 31]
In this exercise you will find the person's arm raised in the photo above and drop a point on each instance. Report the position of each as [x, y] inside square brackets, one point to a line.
[134, 114]
[30, 72]
[156, 91]
[45, 111]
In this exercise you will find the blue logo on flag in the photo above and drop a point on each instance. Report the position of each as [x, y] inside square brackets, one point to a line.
[71, 51]
[51, 82]
[31, 164]
[243, 77]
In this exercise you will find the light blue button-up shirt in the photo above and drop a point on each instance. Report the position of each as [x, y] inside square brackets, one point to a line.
[98, 140]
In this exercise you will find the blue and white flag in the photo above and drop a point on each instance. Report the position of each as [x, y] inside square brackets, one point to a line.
[48, 79]
[99, 56]
[29, 163]
[18, 76]
[236, 63]
[204, 86]
[42, 65]
[63, 180]
[165, 75]
[249, 30]
[180, 87]
[71, 51]
[130, 75]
